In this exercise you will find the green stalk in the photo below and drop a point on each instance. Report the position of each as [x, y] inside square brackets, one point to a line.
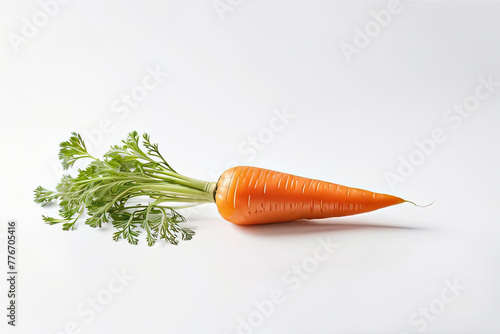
[105, 187]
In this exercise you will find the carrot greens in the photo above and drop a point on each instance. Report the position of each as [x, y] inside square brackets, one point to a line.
[132, 187]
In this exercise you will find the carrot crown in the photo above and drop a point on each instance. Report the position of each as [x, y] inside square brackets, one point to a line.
[132, 187]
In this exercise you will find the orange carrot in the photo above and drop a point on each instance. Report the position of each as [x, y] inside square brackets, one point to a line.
[251, 195]
[113, 190]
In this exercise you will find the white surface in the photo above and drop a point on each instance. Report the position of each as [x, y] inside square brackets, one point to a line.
[352, 122]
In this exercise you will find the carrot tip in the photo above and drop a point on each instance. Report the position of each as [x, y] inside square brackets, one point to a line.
[421, 206]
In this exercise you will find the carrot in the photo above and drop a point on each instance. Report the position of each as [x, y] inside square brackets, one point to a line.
[251, 195]
[112, 190]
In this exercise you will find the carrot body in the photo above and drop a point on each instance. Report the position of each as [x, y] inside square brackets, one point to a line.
[251, 195]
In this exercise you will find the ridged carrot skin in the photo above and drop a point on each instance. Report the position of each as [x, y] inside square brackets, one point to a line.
[251, 195]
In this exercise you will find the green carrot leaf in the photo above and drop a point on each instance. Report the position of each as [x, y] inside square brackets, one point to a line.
[132, 187]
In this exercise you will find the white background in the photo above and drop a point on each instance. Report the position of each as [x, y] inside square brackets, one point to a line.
[353, 121]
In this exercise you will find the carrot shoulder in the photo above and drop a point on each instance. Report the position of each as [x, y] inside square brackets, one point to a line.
[251, 195]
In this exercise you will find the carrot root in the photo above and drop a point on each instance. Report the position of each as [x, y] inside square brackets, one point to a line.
[421, 206]
[250, 195]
